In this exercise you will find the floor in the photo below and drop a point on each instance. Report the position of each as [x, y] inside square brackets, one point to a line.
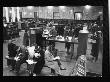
[65, 60]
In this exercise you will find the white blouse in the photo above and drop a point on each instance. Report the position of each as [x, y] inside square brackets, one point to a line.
[31, 51]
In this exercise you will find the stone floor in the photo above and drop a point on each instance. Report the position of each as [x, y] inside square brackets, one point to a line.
[65, 60]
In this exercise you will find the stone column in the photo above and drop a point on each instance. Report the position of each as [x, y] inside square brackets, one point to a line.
[82, 39]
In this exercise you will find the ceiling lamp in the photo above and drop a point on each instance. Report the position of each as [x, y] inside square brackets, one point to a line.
[30, 7]
[50, 7]
[87, 6]
[61, 7]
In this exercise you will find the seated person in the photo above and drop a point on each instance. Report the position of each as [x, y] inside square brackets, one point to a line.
[54, 65]
[30, 61]
[39, 57]
[22, 57]
[53, 32]
[12, 52]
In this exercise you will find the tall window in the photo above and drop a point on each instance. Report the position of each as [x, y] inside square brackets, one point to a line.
[21, 16]
[56, 15]
[78, 15]
[35, 14]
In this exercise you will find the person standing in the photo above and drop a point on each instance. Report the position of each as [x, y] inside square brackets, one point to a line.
[26, 39]
[66, 34]
[53, 32]
[95, 46]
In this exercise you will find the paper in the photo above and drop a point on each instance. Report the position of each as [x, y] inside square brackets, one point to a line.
[31, 62]
[56, 58]
[7, 56]
[37, 54]
[16, 58]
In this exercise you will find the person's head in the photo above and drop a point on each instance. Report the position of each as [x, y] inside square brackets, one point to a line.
[38, 48]
[47, 48]
[10, 41]
[53, 27]
[32, 45]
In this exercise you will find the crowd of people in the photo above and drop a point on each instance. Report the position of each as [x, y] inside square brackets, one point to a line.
[45, 57]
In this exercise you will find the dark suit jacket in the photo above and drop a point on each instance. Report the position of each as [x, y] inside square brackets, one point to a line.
[40, 63]
[12, 49]
[40, 59]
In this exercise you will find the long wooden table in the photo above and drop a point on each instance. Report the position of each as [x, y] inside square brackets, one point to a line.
[62, 41]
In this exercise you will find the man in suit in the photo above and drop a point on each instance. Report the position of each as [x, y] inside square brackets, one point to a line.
[26, 39]
[95, 46]
[12, 51]
[23, 56]
[40, 61]
[39, 39]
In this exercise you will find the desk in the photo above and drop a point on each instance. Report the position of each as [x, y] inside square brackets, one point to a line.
[63, 41]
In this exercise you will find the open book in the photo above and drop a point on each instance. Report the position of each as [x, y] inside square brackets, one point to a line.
[31, 62]
[16, 58]
[57, 57]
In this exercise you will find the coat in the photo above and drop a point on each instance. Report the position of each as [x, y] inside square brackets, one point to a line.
[12, 49]
[49, 61]
[26, 39]
[40, 62]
